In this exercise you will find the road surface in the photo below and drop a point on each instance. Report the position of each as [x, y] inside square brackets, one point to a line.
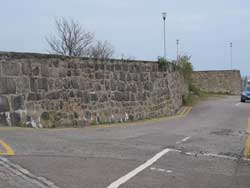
[203, 148]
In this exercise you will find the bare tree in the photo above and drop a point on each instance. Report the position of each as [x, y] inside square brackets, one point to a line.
[101, 50]
[70, 39]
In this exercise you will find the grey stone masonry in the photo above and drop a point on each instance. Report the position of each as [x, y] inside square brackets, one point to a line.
[225, 81]
[41, 90]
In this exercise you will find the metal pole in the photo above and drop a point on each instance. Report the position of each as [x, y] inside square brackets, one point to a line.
[231, 55]
[177, 51]
[164, 14]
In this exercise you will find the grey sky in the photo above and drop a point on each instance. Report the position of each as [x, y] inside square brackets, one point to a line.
[205, 28]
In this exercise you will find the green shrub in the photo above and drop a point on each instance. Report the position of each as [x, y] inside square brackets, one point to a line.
[162, 62]
[186, 67]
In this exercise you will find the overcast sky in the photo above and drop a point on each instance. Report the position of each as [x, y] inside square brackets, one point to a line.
[205, 28]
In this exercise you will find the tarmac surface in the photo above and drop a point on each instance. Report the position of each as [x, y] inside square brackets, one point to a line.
[204, 147]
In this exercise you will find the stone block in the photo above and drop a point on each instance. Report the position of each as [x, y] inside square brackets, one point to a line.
[93, 97]
[11, 69]
[34, 97]
[43, 84]
[104, 98]
[33, 84]
[122, 76]
[3, 119]
[85, 98]
[7, 86]
[88, 115]
[53, 95]
[121, 86]
[15, 119]
[35, 70]
[17, 102]
[44, 70]
[26, 68]
[99, 75]
[113, 85]
[22, 85]
[75, 83]
[4, 104]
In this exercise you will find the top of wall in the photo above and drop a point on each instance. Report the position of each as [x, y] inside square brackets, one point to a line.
[22, 55]
[216, 71]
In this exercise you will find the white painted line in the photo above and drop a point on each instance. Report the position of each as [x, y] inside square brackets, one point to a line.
[161, 170]
[169, 171]
[238, 104]
[133, 173]
[17, 170]
[183, 140]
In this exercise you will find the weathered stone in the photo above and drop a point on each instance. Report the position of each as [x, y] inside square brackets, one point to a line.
[34, 97]
[98, 87]
[26, 68]
[87, 115]
[3, 119]
[99, 75]
[73, 92]
[22, 85]
[44, 70]
[35, 70]
[93, 97]
[85, 98]
[43, 83]
[7, 86]
[45, 116]
[17, 103]
[122, 76]
[53, 95]
[121, 86]
[107, 85]
[11, 69]
[118, 96]
[66, 84]
[129, 77]
[104, 98]
[15, 119]
[33, 84]
[75, 83]
[4, 104]
[118, 67]
[69, 73]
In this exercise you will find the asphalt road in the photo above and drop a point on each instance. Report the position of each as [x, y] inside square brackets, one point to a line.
[203, 149]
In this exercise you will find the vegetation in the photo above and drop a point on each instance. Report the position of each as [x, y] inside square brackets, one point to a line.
[162, 62]
[186, 68]
[70, 39]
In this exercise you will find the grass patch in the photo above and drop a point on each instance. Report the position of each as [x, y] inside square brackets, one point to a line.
[196, 95]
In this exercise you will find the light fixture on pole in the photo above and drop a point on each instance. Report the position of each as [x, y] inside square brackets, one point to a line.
[231, 55]
[177, 50]
[164, 16]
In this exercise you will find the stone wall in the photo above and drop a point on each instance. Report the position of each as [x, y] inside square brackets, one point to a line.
[228, 81]
[50, 91]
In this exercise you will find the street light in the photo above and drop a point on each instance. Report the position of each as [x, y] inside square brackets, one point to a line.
[231, 55]
[164, 15]
[177, 50]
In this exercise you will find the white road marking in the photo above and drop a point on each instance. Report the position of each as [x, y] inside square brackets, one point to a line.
[151, 161]
[183, 140]
[160, 170]
[134, 172]
[17, 170]
[237, 104]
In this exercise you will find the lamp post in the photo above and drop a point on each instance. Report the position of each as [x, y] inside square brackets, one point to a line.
[177, 50]
[164, 15]
[231, 55]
